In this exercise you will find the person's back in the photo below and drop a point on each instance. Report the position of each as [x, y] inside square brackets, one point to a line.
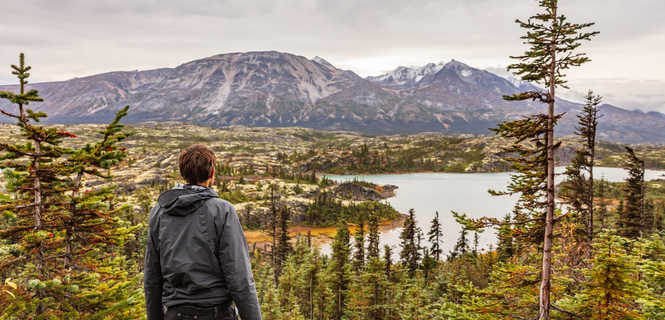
[197, 262]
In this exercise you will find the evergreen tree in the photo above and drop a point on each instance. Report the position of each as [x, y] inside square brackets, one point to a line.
[291, 289]
[578, 189]
[378, 283]
[527, 155]
[359, 244]
[611, 289]
[428, 264]
[388, 257]
[271, 224]
[435, 237]
[373, 237]
[340, 270]
[553, 48]
[602, 205]
[461, 246]
[410, 255]
[366, 300]
[619, 214]
[64, 243]
[505, 247]
[633, 212]
[284, 246]
[649, 218]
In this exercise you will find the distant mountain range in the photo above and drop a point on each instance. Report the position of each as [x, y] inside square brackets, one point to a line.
[281, 89]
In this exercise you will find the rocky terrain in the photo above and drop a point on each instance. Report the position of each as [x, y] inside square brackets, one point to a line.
[276, 89]
[295, 161]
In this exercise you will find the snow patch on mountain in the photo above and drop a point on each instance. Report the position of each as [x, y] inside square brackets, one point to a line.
[404, 76]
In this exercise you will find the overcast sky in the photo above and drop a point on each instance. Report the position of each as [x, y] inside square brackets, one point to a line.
[70, 38]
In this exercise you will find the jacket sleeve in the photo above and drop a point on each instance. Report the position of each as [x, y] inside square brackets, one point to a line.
[152, 272]
[234, 260]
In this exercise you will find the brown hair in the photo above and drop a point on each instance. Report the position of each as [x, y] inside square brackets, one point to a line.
[196, 163]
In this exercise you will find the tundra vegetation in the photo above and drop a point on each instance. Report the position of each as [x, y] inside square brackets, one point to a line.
[74, 204]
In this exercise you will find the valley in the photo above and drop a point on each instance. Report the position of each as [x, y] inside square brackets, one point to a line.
[297, 161]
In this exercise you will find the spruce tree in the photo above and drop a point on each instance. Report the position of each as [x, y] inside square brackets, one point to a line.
[284, 246]
[462, 245]
[633, 212]
[553, 44]
[527, 157]
[64, 238]
[373, 237]
[271, 225]
[475, 243]
[602, 205]
[619, 212]
[578, 189]
[410, 255]
[505, 247]
[359, 244]
[340, 270]
[435, 237]
[611, 289]
[388, 257]
[648, 218]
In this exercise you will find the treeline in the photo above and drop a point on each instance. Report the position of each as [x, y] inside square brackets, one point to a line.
[622, 280]
[326, 210]
[441, 154]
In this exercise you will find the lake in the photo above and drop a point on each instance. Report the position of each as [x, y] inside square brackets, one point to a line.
[467, 193]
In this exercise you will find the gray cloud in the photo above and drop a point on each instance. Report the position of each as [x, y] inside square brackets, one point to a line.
[69, 38]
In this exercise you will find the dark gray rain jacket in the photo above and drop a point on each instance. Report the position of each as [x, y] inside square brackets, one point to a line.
[197, 254]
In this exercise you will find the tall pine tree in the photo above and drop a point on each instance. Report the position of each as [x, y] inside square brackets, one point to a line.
[435, 237]
[410, 254]
[340, 270]
[359, 244]
[553, 44]
[373, 237]
[578, 189]
[633, 211]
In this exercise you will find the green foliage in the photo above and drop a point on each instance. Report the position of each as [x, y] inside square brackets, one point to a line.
[435, 235]
[577, 191]
[340, 270]
[425, 153]
[60, 254]
[527, 155]
[410, 254]
[633, 213]
[326, 210]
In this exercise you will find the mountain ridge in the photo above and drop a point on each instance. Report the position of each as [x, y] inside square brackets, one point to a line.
[276, 89]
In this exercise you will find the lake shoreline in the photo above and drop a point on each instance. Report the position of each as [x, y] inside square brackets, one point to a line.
[320, 235]
[326, 174]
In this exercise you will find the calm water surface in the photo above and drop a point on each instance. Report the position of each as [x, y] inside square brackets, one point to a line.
[427, 193]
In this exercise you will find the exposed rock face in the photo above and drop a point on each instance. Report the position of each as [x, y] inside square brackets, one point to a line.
[281, 89]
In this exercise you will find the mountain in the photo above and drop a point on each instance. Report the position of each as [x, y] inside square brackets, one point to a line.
[407, 77]
[281, 89]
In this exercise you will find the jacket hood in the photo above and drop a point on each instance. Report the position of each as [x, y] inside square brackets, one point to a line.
[184, 199]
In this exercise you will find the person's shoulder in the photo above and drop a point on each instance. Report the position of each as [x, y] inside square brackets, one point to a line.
[154, 212]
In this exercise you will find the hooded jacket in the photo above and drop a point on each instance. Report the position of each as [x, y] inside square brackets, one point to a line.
[197, 254]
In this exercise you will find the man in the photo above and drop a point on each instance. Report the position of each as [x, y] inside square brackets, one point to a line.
[196, 262]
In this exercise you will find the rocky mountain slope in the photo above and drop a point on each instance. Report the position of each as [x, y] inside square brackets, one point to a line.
[281, 89]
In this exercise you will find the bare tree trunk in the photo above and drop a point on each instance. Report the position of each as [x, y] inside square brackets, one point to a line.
[544, 313]
[311, 294]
